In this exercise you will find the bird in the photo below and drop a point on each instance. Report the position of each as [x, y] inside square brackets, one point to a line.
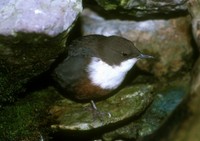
[95, 66]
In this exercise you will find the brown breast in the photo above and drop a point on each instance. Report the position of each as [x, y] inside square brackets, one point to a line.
[84, 90]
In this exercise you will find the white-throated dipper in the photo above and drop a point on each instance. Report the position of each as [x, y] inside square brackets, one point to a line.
[96, 65]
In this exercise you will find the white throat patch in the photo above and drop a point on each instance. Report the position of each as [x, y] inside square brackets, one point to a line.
[106, 76]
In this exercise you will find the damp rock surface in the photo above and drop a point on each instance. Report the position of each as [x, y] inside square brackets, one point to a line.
[165, 102]
[32, 35]
[27, 119]
[24, 53]
[141, 8]
[128, 102]
[193, 8]
[133, 113]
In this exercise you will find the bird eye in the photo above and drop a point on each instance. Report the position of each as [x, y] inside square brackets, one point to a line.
[124, 54]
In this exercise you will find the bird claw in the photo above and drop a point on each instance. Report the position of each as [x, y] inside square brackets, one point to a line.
[97, 114]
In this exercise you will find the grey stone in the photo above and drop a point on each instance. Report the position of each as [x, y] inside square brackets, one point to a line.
[32, 35]
[193, 8]
[41, 16]
[160, 38]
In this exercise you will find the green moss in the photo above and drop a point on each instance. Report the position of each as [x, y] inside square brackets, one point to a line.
[142, 8]
[23, 57]
[7, 89]
[111, 5]
[24, 119]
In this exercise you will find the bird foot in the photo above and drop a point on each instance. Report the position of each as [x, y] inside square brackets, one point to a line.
[97, 114]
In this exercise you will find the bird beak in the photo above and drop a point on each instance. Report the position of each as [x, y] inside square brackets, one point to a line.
[144, 56]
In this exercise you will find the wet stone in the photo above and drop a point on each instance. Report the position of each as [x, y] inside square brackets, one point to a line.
[165, 102]
[193, 8]
[32, 35]
[144, 8]
[135, 112]
[128, 102]
[195, 84]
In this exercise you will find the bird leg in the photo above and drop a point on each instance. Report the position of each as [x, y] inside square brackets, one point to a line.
[97, 113]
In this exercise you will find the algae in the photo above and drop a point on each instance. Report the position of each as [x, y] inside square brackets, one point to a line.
[27, 119]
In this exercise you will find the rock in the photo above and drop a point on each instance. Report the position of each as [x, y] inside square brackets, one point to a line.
[32, 35]
[159, 38]
[166, 101]
[193, 7]
[27, 119]
[129, 102]
[184, 123]
[188, 128]
[195, 84]
[169, 42]
[134, 114]
[46, 17]
[143, 8]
